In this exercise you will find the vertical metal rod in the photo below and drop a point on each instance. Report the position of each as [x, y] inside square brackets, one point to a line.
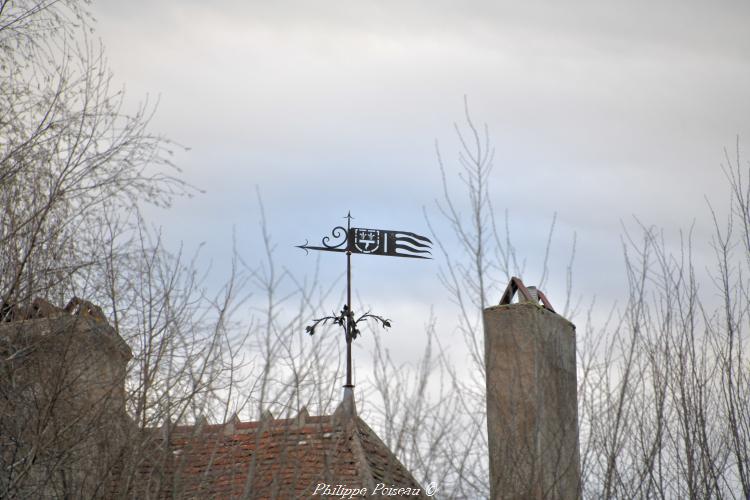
[348, 303]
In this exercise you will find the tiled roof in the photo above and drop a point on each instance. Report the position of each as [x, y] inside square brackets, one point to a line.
[279, 459]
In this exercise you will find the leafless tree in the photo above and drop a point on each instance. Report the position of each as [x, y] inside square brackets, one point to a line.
[68, 152]
[74, 169]
[663, 381]
[663, 385]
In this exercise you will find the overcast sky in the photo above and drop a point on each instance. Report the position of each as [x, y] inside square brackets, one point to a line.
[599, 111]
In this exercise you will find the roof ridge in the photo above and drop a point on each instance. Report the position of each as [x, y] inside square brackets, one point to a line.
[358, 451]
[362, 426]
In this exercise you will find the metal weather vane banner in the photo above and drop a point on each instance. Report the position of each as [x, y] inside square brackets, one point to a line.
[375, 242]
[359, 240]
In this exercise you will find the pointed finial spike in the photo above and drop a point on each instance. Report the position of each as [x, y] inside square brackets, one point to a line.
[304, 247]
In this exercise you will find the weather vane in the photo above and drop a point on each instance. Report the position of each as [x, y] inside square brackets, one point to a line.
[368, 242]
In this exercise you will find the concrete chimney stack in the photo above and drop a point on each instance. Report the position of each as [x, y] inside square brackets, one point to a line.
[532, 421]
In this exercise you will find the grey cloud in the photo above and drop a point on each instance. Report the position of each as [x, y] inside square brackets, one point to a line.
[599, 110]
